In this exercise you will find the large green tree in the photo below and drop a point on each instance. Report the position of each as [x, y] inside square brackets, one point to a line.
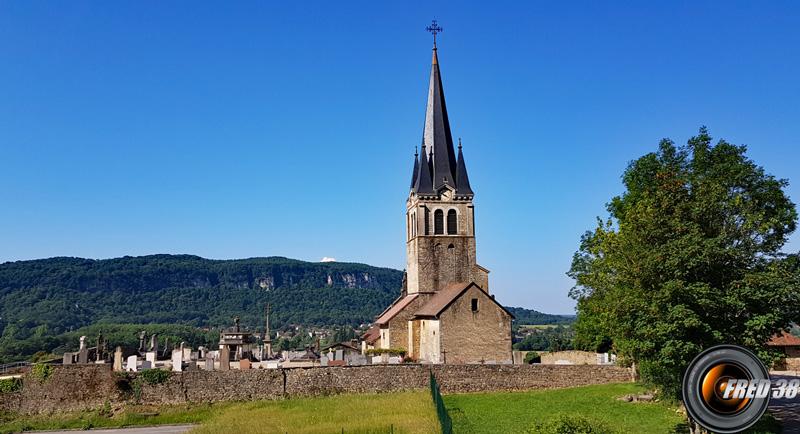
[689, 257]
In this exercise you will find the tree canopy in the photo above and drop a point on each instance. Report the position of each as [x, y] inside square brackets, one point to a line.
[689, 257]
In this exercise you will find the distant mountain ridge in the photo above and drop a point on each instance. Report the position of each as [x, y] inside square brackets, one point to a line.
[43, 298]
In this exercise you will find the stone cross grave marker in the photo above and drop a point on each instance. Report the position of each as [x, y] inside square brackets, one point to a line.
[118, 359]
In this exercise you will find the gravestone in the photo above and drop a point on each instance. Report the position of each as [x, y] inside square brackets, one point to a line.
[323, 360]
[131, 365]
[154, 343]
[67, 359]
[194, 355]
[151, 357]
[339, 355]
[209, 364]
[244, 364]
[177, 360]
[225, 358]
[118, 359]
[146, 365]
[83, 356]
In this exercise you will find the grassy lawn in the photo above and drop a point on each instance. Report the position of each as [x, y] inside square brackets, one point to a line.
[406, 412]
[134, 415]
[519, 411]
[516, 412]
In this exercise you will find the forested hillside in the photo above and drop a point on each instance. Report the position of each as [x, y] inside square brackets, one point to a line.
[42, 299]
[46, 304]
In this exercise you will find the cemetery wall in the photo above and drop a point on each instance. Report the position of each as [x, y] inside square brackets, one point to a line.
[88, 386]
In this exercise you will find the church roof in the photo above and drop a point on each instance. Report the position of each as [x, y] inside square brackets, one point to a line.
[443, 167]
[372, 335]
[784, 340]
[446, 296]
[394, 309]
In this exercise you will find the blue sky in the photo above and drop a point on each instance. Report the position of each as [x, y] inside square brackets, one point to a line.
[287, 128]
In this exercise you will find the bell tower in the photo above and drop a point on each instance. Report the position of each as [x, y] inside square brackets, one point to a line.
[440, 216]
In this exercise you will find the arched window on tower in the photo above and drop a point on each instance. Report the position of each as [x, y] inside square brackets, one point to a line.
[427, 221]
[452, 222]
[438, 222]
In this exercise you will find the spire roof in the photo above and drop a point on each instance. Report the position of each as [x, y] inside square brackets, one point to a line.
[416, 169]
[462, 180]
[422, 180]
[437, 136]
[443, 167]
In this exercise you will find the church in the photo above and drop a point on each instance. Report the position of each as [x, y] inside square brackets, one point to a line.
[445, 312]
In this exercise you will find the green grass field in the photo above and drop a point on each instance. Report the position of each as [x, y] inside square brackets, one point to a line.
[134, 415]
[519, 412]
[406, 412]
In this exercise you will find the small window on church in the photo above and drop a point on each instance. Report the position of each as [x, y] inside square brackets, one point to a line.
[427, 221]
[474, 304]
[438, 222]
[452, 222]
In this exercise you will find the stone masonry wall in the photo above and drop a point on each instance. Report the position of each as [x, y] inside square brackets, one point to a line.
[88, 387]
[574, 357]
[460, 326]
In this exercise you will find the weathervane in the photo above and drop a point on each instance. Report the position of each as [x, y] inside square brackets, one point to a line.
[434, 28]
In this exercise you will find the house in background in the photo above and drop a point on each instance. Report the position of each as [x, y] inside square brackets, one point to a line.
[789, 345]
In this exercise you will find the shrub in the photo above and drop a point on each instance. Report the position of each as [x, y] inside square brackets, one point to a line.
[390, 351]
[41, 372]
[565, 424]
[154, 376]
[10, 385]
[532, 357]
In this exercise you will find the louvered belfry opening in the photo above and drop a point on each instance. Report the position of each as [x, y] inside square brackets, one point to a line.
[452, 222]
[438, 222]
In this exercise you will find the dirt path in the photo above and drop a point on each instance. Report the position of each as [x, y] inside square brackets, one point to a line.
[787, 410]
[164, 429]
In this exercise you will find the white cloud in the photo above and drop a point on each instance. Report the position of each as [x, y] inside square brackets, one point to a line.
[327, 259]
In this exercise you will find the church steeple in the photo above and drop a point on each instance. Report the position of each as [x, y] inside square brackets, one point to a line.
[436, 135]
[439, 210]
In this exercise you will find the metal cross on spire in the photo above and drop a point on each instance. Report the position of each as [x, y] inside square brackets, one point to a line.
[434, 28]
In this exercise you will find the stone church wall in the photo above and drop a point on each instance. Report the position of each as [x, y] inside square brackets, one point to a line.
[472, 337]
[73, 388]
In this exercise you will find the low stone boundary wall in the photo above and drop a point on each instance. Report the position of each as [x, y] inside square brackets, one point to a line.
[86, 387]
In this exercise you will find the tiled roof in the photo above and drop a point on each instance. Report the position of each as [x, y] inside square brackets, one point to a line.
[340, 344]
[784, 340]
[442, 298]
[395, 309]
[372, 335]
[447, 295]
